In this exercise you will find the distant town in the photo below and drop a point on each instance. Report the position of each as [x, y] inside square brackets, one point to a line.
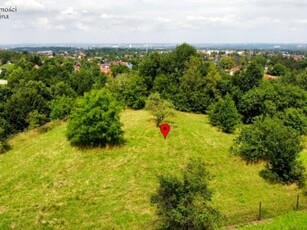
[228, 56]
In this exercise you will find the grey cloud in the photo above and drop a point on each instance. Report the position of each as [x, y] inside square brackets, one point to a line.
[156, 21]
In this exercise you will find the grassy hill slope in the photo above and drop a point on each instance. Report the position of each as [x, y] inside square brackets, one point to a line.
[46, 183]
[292, 220]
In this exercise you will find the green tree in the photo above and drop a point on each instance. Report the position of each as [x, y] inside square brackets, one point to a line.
[249, 78]
[212, 81]
[135, 92]
[95, 120]
[27, 97]
[165, 85]
[295, 118]
[117, 69]
[278, 145]
[278, 70]
[198, 86]
[169, 74]
[226, 62]
[224, 114]
[117, 86]
[16, 76]
[294, 78]
[36, 119]
[260, 60]
[36, 60]
[4, 133]
[159, 108]
[149, 68]
[84, 80]
[130, 90]
[269, 98]
[182, 54]
[61, 107]
[184, 202]
[302, 79]
[61, 89]
[191, 95]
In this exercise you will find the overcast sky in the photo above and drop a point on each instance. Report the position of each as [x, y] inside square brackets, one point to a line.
[146, 21]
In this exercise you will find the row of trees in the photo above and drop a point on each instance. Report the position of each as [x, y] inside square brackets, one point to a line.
[37, 94]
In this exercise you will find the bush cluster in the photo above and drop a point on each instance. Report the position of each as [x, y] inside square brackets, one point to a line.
[184, 202]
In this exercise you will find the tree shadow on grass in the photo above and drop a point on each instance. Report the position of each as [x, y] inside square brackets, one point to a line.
[4, 148]
[118, 144]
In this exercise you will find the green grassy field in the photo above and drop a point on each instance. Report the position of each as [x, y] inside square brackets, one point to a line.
[47, 184]
[290, 221]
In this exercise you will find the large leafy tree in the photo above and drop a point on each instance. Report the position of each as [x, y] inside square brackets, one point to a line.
[117, 69]
[198, 86]
[295, 118]
[149, 69]
[61, 89]
[182, 54]
[278, 145]
[95, 120]
[27, 97]
[278, 70]
[61, 107]
[249, 78]
[192, 95]
[294, 78]
[135, 92]
[270, 98]
[260, 60]
[226, 62]
[130, 90]
[84, 80]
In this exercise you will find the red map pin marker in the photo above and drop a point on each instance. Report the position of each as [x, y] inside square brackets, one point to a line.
[165, 128]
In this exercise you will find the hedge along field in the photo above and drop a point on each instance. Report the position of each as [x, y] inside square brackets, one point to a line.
[46, 183]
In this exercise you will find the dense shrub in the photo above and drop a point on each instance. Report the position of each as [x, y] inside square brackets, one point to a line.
[36, 119]
[277, 144]
[184, 202]
[117, 69]
[95, 120]
[27, 97]
[61, 107]
[224, 114]
[62, 89]
[278, 70]
[295, 118]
